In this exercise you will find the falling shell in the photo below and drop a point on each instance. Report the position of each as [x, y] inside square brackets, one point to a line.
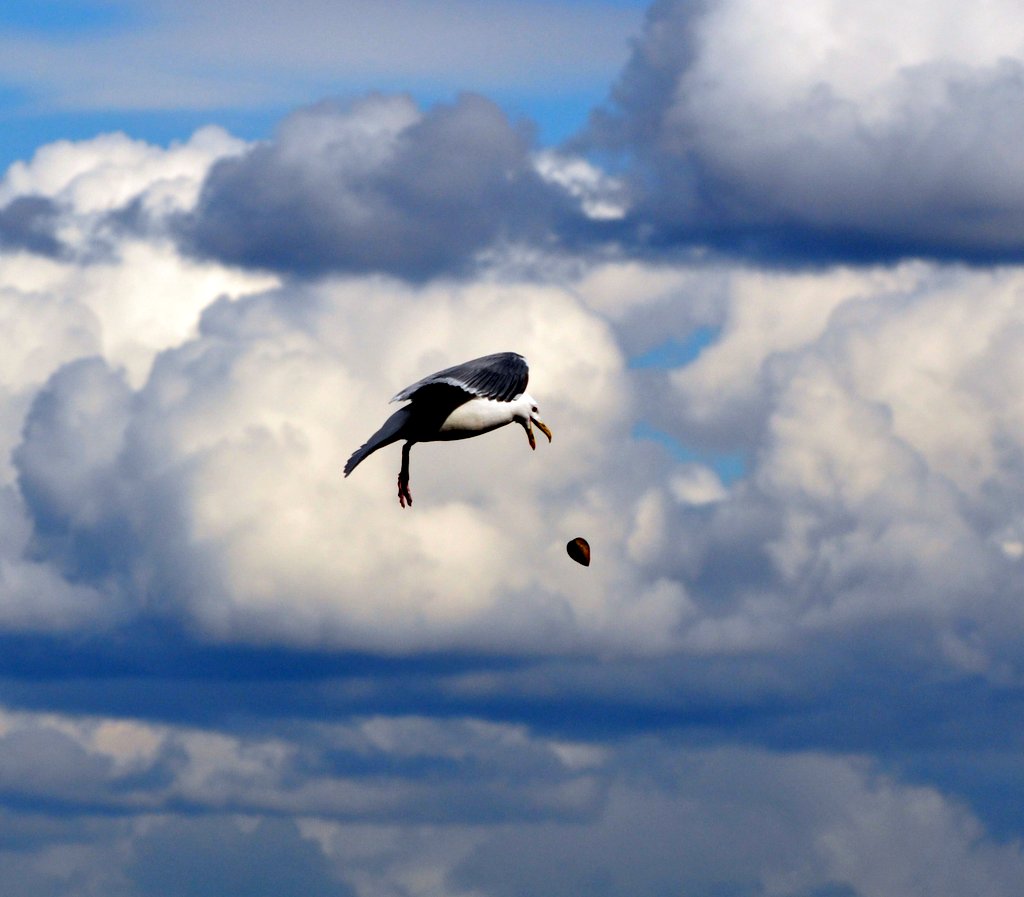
[579, 550]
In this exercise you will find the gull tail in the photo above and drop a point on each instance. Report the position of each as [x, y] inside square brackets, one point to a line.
[390, 432]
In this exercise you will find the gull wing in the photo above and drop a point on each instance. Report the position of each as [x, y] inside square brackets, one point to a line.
[501, 377]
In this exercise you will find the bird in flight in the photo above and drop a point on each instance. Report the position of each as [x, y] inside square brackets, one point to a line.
[465, 400]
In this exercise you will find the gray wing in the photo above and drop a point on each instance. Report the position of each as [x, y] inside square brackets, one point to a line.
[502, 377]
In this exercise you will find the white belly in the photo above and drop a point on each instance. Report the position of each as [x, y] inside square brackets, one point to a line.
[474, 417]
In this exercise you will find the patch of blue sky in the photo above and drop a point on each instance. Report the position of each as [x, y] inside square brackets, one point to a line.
[556, 116]
[729, 466]
[61, 18]
[675, 353]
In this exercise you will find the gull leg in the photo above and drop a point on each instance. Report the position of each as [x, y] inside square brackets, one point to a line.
[404, 495]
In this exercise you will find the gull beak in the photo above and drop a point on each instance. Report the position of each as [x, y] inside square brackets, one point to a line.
[528, 426]
[543, 427]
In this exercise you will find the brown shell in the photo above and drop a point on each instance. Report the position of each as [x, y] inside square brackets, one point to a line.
[579, 550]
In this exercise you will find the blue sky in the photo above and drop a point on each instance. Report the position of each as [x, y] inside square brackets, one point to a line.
[765, 264]
[193, 64]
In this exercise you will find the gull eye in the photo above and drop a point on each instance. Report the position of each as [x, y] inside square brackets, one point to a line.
[534, 409]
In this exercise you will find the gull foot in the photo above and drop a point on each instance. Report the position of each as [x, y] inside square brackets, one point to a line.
[404, 495]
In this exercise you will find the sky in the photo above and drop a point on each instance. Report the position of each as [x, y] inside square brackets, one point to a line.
[766, 263]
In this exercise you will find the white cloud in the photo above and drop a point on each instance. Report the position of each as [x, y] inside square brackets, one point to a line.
[828, 129]
[234, 448]
[109, 171]
[764, 314]
[133, 475]
[841, 47]
[698, 485]
[126, 305]
[601, 196]
[886, 454]
[135, 295]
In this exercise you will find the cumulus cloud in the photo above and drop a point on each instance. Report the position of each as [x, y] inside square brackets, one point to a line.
[379, 186]
[830, 131]
[112, 170]
[144, 436]
[129, 293]
[285, 381]
[881, 470]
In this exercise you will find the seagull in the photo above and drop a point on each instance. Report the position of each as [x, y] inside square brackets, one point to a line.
[465, 400]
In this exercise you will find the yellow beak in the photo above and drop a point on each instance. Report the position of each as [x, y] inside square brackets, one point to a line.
[543, 427]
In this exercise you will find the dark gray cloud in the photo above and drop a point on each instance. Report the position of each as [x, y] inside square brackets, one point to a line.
[628, 815]
[29, 222]
[82, 858]
[172, 856]
[789, 154]
[377, 187]
[741, 824]
[381, 769]
[185, 857]
[49, 767]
